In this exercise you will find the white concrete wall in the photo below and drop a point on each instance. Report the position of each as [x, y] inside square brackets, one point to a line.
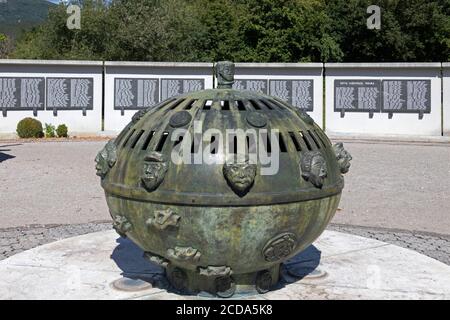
[115, 118]
[427, 123]
[381, 124]
[310, 74]
[77, 123]
[446, 97]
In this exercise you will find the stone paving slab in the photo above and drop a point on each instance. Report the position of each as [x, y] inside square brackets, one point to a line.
[31, 282]
[16, 240]
[85, 267]
[434, 245]
[386, 268]
[320, 292]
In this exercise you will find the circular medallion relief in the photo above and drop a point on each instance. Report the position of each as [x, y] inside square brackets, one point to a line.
[180, 119]
[256, 119]
[279, 247]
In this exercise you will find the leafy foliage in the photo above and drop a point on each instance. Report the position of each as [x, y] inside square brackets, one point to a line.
[29, 128]
[292, 30]
[244, 30]
[5, 46]
[411, 30]
[19, 15]
[50, 130]
[62, 131]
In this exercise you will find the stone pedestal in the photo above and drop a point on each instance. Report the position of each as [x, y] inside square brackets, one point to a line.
[337, 266]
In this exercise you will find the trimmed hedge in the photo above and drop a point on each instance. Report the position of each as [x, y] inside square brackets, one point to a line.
[62, 131]
[30, 128]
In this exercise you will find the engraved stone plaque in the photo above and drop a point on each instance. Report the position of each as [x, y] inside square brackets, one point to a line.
[69, 94]
[357, 96]
[299, 93]
[134, 94]
[174, 87]
[21, 94]
[406, 96]
[258, 85]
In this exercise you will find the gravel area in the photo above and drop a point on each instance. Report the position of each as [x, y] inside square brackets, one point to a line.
[15, 240]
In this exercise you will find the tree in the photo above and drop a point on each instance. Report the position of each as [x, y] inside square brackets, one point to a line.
[153, 30]
[53, 40]
[217, 36]
[288, 31]
[411, 30]
[244, 30]
[5, 46]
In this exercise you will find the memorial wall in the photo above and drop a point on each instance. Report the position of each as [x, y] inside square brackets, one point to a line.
[383, 98]
[300, 84]
[132, 86]
[446, 98]
[55, 92]
[361, 99]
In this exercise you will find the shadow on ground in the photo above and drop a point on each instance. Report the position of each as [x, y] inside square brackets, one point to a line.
[5, 156]
[129, 258]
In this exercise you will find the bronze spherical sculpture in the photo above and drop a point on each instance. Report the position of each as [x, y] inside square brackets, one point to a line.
[229, 220]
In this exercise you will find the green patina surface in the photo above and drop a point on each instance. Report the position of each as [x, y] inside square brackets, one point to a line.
[213, 226]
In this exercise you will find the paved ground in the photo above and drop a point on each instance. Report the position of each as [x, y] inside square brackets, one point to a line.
[396, 193]
[18, 239]
[345, 267]
[403, 186]
[15, 240]
[50, 183]
[434, 245]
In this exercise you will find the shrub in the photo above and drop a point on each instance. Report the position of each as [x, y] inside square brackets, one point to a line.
[50, 130]
[29, 128]
[62, 130]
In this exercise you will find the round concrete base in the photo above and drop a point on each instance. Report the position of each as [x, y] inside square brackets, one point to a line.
[337, 266]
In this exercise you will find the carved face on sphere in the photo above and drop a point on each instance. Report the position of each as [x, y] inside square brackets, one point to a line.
[240, 176]
[106, 159]
[225, 72]
[343, 157]
[314, 168]
[155, 169]
[121, 225]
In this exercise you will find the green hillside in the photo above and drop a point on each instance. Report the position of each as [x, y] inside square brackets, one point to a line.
[17, 15]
